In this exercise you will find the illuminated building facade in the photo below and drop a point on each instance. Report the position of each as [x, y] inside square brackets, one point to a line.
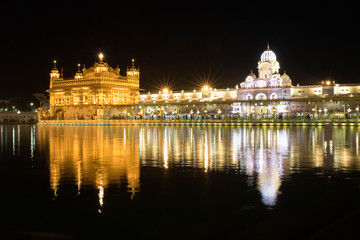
[100, 92]
[93, 93]
[268, 85]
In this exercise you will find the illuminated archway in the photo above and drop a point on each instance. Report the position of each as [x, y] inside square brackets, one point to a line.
[260, 96]
[273, 96]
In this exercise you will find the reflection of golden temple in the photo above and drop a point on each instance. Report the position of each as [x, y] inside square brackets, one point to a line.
[92, 156]
[99, 156]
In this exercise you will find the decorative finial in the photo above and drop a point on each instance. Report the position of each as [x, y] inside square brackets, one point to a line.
[101, 57]
[133, 62]
[54, 63]
[79, 67]
[268, 46]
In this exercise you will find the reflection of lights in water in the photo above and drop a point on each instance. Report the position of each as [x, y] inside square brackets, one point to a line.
[77, 154]
[269, 178]
[236, 143]
[269, 165]
[32, 142]
[268, 185]
[13, 140]
[2, 138]
[18, 138]
[54, 176]
[206, 154]
[331, 147]
[78, 176]
[124, 139]
[166, 157]
[101, 192]
[357, 144]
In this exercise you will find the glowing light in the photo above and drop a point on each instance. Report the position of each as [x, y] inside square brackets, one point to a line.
[206, 88]
[328, 82]
[165, 91]
[101, 56]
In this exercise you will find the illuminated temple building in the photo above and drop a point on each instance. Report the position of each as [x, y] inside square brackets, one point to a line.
[93, 93]
[248, 97]
[100, 92]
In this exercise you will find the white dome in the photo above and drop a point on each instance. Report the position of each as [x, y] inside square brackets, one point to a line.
[251, 76]
[286, 79]
[268, 56]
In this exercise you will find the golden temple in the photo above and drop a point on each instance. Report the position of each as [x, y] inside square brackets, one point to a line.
[97, 92]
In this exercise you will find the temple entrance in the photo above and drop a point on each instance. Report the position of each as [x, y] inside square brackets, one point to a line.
[59, 114]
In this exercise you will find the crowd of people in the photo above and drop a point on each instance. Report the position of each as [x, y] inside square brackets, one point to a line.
[236, 116]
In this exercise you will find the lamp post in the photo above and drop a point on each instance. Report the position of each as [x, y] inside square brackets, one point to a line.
[357, 111]
[274, 111]
[320, 110]
[325, 110]
[314, 109]
[252, 112]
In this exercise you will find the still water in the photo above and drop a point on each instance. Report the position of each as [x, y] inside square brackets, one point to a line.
[166, 182]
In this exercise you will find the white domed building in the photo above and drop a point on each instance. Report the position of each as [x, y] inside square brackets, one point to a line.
[254, 95]
[269, 84]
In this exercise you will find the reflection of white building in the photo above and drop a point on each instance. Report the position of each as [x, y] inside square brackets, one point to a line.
[268, 84]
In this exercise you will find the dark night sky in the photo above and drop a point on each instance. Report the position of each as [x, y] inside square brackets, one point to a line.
[178, 42]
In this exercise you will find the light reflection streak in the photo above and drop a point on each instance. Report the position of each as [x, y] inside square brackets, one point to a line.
[91, 156]
[2, 138]
[206, 153]
[166, 156]
[18, 138]
[357, 144]
[101, 191]
[32, 142]
[267, 155]
[13, 141]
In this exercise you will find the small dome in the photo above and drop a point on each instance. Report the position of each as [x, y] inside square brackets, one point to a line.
[286, 79]
[275, 76]
[285, 75]
[268, 55]
[251, 76]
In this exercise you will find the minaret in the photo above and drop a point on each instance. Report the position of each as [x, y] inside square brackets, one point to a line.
[78, 74]
[133, 74]
[54, 74]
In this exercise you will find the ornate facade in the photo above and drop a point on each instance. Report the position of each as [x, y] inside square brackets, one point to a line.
[100, 92]
[93, 93]
[247, 96]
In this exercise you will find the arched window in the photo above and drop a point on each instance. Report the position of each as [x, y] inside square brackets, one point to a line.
[250, 85]
[260, 96]
[273, 96]
[249, 97]
[261, 83]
